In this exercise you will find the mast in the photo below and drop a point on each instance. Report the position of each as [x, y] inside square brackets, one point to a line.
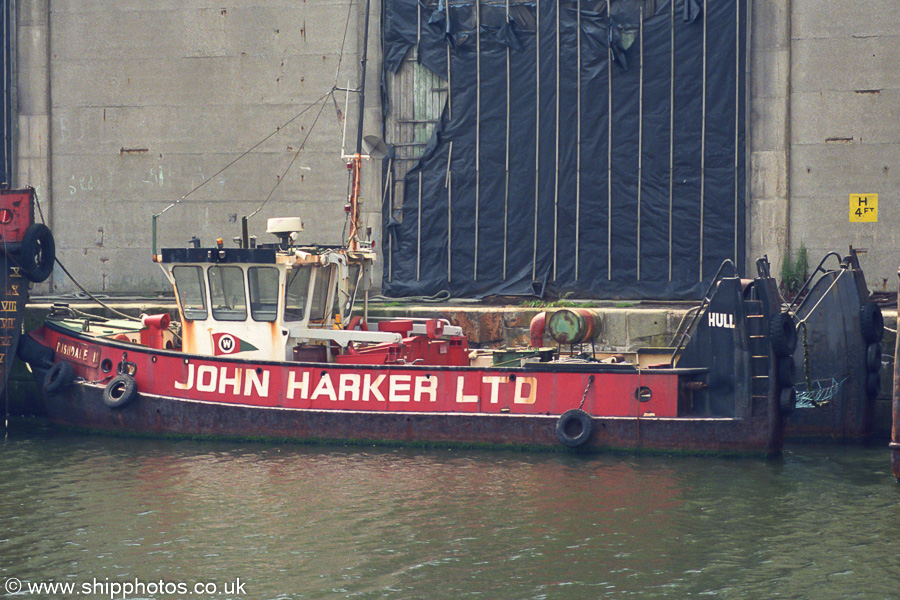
[362, 81]
[356, 160]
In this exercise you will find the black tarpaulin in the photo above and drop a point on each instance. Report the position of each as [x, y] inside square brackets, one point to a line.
[621, 173]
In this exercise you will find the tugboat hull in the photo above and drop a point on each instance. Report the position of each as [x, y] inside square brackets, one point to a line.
[82, 407]
[720, 397]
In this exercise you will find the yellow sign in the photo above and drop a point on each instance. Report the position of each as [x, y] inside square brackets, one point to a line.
[863, 208]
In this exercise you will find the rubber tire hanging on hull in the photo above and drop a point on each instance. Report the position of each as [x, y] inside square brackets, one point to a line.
[786, 371]
[873, 384]
[873, 357]
[782, 335]
[33, 352]
[871, 322]
[120, 391]
[788, 400]
[37, 253]
[574, 428]
[58, 377]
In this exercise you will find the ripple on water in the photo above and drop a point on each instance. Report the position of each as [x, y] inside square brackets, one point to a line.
[320, 522]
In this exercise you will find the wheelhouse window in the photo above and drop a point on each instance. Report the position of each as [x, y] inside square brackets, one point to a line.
[226, 292]
[296, 292]
[191, 292]
[263, 282]
[319, 299]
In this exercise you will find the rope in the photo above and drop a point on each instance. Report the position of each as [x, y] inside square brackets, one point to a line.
[91, 296]
[246, 152]
[294, 158]
[441, 296]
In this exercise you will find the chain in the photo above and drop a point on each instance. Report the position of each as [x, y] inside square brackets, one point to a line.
[806, 368]
[587, 387]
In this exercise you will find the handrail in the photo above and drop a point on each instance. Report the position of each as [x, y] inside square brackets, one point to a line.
[703, 304]
[809, 280]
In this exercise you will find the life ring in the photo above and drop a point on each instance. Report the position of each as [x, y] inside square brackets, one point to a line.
[788, 400]
[37, 253]
[871, 322]
[873, 357]
[786, 371]
[355, 321]
[782, 335]
[58, 377]
[121, 390]
[574, 428]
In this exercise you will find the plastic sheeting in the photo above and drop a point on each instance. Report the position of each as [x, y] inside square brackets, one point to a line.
[626, 160]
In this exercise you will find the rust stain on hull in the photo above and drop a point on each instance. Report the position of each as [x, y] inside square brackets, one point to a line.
[81, 406]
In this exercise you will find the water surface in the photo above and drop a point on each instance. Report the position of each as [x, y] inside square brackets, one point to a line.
[294, 521]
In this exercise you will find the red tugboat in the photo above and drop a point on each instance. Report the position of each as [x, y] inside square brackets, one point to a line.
[270, 346]
[28, 252]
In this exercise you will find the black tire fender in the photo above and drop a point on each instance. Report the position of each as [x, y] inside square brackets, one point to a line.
[788, 400]
[786, 371]
[871, 322]
[33, 352]
[37, 253]
[782, 334]
[120, 391]
[873, 384]
[58, 377]
[573, 428]
[873, 357]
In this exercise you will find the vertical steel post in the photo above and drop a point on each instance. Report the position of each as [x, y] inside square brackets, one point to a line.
[506, 181]
[448, 183]
[362, 79]
[703, 144]
[578, 141]
[477, 130]
[449, 87]
[671, 129]
[640, 139]
[414, 139]
[419, 234]
[537, 132]
[448, 180]
[609, 121]
[390, 196]
[556, 156]
[737, 118]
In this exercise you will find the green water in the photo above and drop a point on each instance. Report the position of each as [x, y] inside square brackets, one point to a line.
[330, 522]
